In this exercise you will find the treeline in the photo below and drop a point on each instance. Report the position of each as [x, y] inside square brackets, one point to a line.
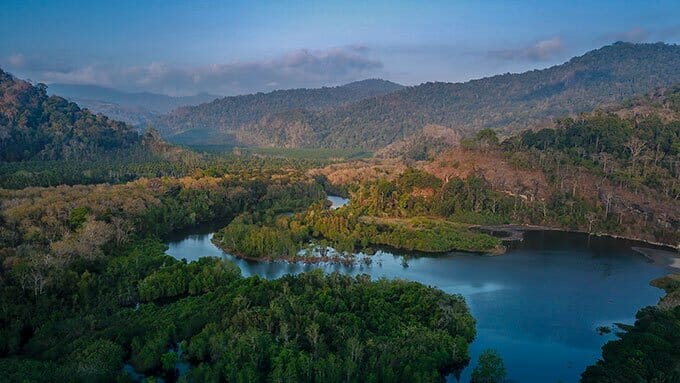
[648, 351]
[128, 165]
[632, 151]
[472, 200]
[233, 113]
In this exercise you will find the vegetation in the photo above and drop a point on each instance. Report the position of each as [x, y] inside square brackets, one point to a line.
[138, 303]
[618, 170]
[649, 351]
[489, 369]
[233, 113]
[34, 125]
[286, 237]
[508, 103]
[130, 165]
[310, 153]
[84, 291]
[636, 152]
[380, 214]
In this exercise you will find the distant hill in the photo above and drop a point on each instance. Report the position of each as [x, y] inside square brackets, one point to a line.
[35, 126]
[224, 119]
[506, 103]
[138, 109]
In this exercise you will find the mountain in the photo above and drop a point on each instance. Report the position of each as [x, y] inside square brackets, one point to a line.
[423, 145]
[226, 119]
[36, 126]
[614, 170]
[506, 103]
[138, 109]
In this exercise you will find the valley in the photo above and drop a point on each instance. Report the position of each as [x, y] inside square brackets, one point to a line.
[349, 233]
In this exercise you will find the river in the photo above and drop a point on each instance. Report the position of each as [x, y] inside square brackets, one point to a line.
[539, 305]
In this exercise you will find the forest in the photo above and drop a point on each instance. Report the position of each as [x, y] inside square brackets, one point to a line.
[34, 125]
[141, 306]
[232, 113]
[508, 103]
[86, 288]
[87, 292]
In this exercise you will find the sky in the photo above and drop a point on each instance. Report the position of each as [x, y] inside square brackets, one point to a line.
[237, 47]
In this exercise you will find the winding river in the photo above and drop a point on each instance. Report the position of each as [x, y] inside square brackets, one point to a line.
[539, 305]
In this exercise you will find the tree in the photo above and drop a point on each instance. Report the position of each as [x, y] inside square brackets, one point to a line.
[635, 146]
[489, 369]
[487, 137]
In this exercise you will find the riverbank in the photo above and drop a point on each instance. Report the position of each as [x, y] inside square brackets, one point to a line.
[669, 283]
[310, 259]
[663, 257]
[515, 232]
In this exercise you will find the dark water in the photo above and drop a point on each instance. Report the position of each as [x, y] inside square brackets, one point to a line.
[539, 305]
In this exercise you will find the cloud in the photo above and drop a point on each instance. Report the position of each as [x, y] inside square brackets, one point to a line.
[632, 35]
[670, 32]
[16, 60]
[543, 50]
[34, 63]
[87, 75]
[300, 68]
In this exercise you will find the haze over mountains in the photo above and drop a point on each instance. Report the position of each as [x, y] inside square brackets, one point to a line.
[138, 108]
[374, 113]
[227, 119]
[35, 126]
[508, 102]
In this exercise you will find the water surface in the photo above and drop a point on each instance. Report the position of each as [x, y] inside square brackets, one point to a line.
[539, 305]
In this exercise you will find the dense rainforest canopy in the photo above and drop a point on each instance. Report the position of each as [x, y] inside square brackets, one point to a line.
[86, 290]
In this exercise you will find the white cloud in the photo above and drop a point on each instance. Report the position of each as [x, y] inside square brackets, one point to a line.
[86, 75]
[300, 68]
[543, 50]
[16, 60]
[632, 35]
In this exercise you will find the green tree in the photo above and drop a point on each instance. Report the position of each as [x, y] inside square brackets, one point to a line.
[489, 369]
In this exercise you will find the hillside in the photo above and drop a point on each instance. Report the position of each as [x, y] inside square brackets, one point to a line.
[138, 109]
[506, 103]
[35, 126]
[238, 119]
[613, 171]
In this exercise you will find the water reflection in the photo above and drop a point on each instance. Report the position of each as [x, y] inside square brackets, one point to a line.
[539, 305]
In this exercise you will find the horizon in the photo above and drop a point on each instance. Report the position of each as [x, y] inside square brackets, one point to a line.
[178, 48]
[217, 96]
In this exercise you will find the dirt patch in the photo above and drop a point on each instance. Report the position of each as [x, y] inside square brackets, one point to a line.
[461, 163]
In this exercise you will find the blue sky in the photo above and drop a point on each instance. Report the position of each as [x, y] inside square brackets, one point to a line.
[232, 47]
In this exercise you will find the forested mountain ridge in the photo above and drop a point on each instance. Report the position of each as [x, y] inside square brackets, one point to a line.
[34, 125]
[506, 103]
[615, 170]
[221, 117]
